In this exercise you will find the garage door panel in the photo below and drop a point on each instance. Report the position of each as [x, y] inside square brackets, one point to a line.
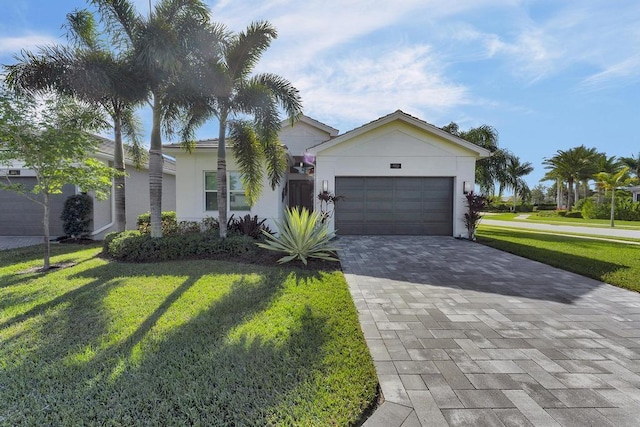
[20, 216]
[395, 205]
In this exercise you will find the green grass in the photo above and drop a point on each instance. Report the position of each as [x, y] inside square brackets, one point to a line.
[177, 343]
[610, 262]
[631, 225]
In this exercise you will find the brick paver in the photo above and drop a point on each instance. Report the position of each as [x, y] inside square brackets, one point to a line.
[463, 334]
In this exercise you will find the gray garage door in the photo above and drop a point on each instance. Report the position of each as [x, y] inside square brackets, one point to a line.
[394, 205]
[20, 216]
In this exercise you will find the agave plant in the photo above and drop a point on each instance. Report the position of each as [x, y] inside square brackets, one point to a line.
[301, 235]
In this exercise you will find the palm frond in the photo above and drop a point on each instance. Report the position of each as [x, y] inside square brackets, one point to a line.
[248, 153]
[245, 49]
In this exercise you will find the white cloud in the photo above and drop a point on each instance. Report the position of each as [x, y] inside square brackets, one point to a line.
[363, 87]
[9, 45]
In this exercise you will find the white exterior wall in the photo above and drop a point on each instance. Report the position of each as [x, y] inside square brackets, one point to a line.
[190, 195]
[421, 155]
[137, 199]
[301, 136]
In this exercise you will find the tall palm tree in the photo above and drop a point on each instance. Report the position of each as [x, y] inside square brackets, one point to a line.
[91, 71]
[570, 166]
[603, 163]
[611, 182]
[516, 171]
[245, 95]
[633, 163]
[170, 46]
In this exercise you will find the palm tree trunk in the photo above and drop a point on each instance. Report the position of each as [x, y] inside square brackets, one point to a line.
[613, 206]
[45, 228]
[119, 192]
[558, 194]
[222, 176]
[515, 198]
[155, 171]
[569, 195]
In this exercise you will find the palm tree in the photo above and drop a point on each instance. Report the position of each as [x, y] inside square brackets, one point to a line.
[242, 94]
[570, 166]
[611, 182]
[93, 73]
[603, 163]
[489, 171]
[633, 163]
[169, 48]
[516, 171]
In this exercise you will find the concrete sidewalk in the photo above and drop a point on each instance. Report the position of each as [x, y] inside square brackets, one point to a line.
[466, 335]
[595, 231]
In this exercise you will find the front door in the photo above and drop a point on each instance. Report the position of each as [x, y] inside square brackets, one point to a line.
[301, 194]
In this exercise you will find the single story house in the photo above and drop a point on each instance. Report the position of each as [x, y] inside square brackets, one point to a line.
[397, 175]
[635, 192]
[20, 216]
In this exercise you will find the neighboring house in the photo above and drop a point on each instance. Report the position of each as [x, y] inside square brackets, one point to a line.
[20, 216]
[635, 191]
[398, 175]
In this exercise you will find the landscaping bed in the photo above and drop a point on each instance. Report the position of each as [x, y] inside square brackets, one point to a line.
[201, 341]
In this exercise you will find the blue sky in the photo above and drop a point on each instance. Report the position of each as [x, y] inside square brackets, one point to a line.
[547, 74]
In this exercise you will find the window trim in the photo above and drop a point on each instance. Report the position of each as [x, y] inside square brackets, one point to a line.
[229, 191]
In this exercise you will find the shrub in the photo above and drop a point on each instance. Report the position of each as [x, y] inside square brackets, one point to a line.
[135, 246]
[301, 235]
[525, 207]
[561, 213]
[169, 223]
[588, 209]
[186, 227]
[573, 214]
[545, 207]
[248, 226]
[209, 224]
[77, 215]
[475, 204]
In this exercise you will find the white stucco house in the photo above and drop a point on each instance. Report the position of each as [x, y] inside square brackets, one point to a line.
[635, 192]
[398, 175]
[20, 216]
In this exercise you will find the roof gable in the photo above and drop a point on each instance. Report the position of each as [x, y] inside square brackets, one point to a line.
[400, 116]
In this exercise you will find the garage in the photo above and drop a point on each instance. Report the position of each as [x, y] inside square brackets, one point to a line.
[398, 175]
[394, 205]
[20, 216]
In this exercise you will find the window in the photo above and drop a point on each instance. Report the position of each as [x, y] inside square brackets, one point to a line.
[210, 191]
[237, 199]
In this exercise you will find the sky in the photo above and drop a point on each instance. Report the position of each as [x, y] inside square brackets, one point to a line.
[548, 75]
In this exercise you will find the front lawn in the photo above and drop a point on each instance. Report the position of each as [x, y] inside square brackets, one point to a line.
[177, 343]
[608, 261]
[561, 220]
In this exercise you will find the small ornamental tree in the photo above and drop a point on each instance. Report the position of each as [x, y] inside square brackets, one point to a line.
[475, 204]
[50, 138]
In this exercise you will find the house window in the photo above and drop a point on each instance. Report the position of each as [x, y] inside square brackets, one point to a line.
[637, 197]
[210, 191]
[237, 200]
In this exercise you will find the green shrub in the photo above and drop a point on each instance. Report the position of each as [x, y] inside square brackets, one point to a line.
[210, 224]
[573, 214]
[561, 213]
[301, 235]
[588, 209]
[169, 223]
[77, 215]
[546, 214]
[545, 207]
[135, 246]
[525, 207]
[185, 227]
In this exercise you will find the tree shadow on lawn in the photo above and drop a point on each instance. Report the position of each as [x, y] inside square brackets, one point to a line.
[191, 374]
[458, 264]
[60, 254]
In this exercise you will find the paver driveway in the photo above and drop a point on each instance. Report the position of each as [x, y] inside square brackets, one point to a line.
[463, 334]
